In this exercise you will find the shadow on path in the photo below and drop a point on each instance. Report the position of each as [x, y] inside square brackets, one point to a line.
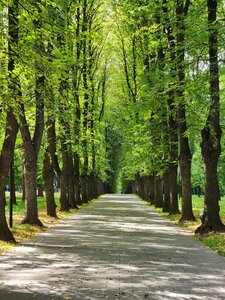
[116, 248]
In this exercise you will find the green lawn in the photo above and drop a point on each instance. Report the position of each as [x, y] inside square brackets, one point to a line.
[25, 231]
[213, 240]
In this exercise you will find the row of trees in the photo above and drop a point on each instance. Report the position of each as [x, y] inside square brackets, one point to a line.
[94, 93]
[171, 54]
[52, 95]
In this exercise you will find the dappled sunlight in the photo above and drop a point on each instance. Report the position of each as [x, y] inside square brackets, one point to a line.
[101, 253]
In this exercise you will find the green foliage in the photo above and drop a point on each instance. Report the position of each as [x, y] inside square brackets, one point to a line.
[143, 123]
[110, 99]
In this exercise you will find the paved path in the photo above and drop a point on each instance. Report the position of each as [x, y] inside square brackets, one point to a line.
[116, 248]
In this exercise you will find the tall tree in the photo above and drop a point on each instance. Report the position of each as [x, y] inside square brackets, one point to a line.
[211, 133]
[84, 182]
[185, 155]
[12, 127]
[173, 126]
[31, 144]
[76, 81]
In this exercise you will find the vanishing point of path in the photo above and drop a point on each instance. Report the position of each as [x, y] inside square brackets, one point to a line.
[116, 248]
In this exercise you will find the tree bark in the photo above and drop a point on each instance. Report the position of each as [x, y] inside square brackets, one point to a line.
[141, 192]
[84, 192]
[158, 192]
[48, 174]
[48, 169]
[151, 190]
[30, 165]
[23, 184]
[146, 187]
[166, 192]
[40, 191]
[12, 126]
[71, 183]
[12, 184]
[5, 161]
[138, 185]
[174, 207]
[211, 133]
[64, 200]
[77, 179]
[95, 184]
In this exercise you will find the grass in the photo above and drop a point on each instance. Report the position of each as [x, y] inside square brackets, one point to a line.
[212, 240]
[22, 232]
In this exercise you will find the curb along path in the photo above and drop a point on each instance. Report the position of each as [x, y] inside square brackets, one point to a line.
[116, 248]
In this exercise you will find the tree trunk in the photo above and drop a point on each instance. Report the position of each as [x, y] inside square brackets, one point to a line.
[137, 185]
[133, 187]
[23, 183]
[30, 170]
[185, 168]
[4, 198]
[12, 184]
[5, 161]
[71, 183]
[31, 149]
[48, 169]
[211, 133]
[151, 190]
[166, 192]
[64, 201]
[77, 180]
[141, 190]
[146, 187]
[84, 189]
[89, 186]
[95, 184]
[158, 192]
[40, 191]
[92, 186]
[48, 175]
[174, 207]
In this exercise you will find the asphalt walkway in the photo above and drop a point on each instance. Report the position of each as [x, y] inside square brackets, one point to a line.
[116, 248]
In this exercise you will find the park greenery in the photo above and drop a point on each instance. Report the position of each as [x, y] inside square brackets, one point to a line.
[104, 96]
